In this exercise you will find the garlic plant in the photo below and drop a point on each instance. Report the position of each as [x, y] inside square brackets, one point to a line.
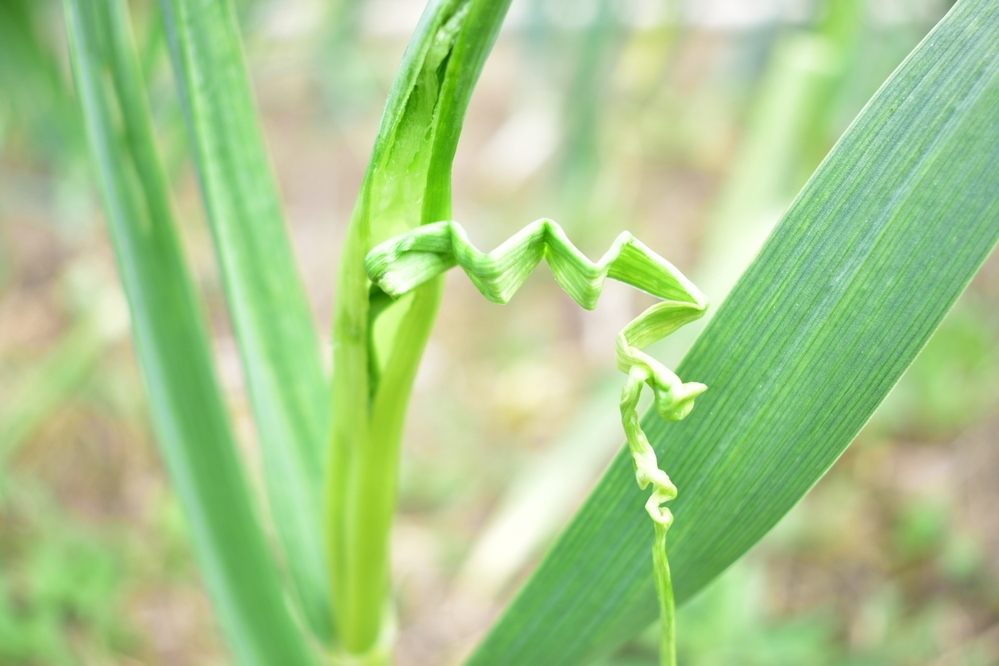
[852, 282]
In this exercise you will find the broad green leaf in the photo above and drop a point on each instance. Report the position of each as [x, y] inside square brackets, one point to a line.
[377, 345]
[267, 301]
[851, 284]
[189, 416]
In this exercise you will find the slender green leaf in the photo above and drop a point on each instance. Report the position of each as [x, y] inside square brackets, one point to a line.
[845, 293]
[267, 301]
[193, 430]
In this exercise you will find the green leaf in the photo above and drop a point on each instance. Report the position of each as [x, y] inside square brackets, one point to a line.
[267, 300]
[845, 293]
[189, 416]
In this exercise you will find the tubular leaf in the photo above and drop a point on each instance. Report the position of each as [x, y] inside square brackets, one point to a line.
[188, 412]
[851, 284]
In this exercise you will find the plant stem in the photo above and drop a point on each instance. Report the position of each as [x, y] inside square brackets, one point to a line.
[377, 348]
[664, 591]
[374, 488]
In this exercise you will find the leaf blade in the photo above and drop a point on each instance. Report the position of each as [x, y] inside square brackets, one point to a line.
[280, 354]
[193, 430]
[908, 186]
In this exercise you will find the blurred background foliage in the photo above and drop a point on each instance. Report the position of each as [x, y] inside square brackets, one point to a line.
[692, 124]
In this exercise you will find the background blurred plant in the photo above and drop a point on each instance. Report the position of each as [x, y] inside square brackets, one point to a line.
[891, 560]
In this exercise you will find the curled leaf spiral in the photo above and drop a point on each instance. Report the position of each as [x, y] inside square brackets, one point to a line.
[404, 262]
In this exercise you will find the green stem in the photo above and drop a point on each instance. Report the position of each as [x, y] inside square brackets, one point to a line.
[375, 485]
[664, 590]
[377, 348]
